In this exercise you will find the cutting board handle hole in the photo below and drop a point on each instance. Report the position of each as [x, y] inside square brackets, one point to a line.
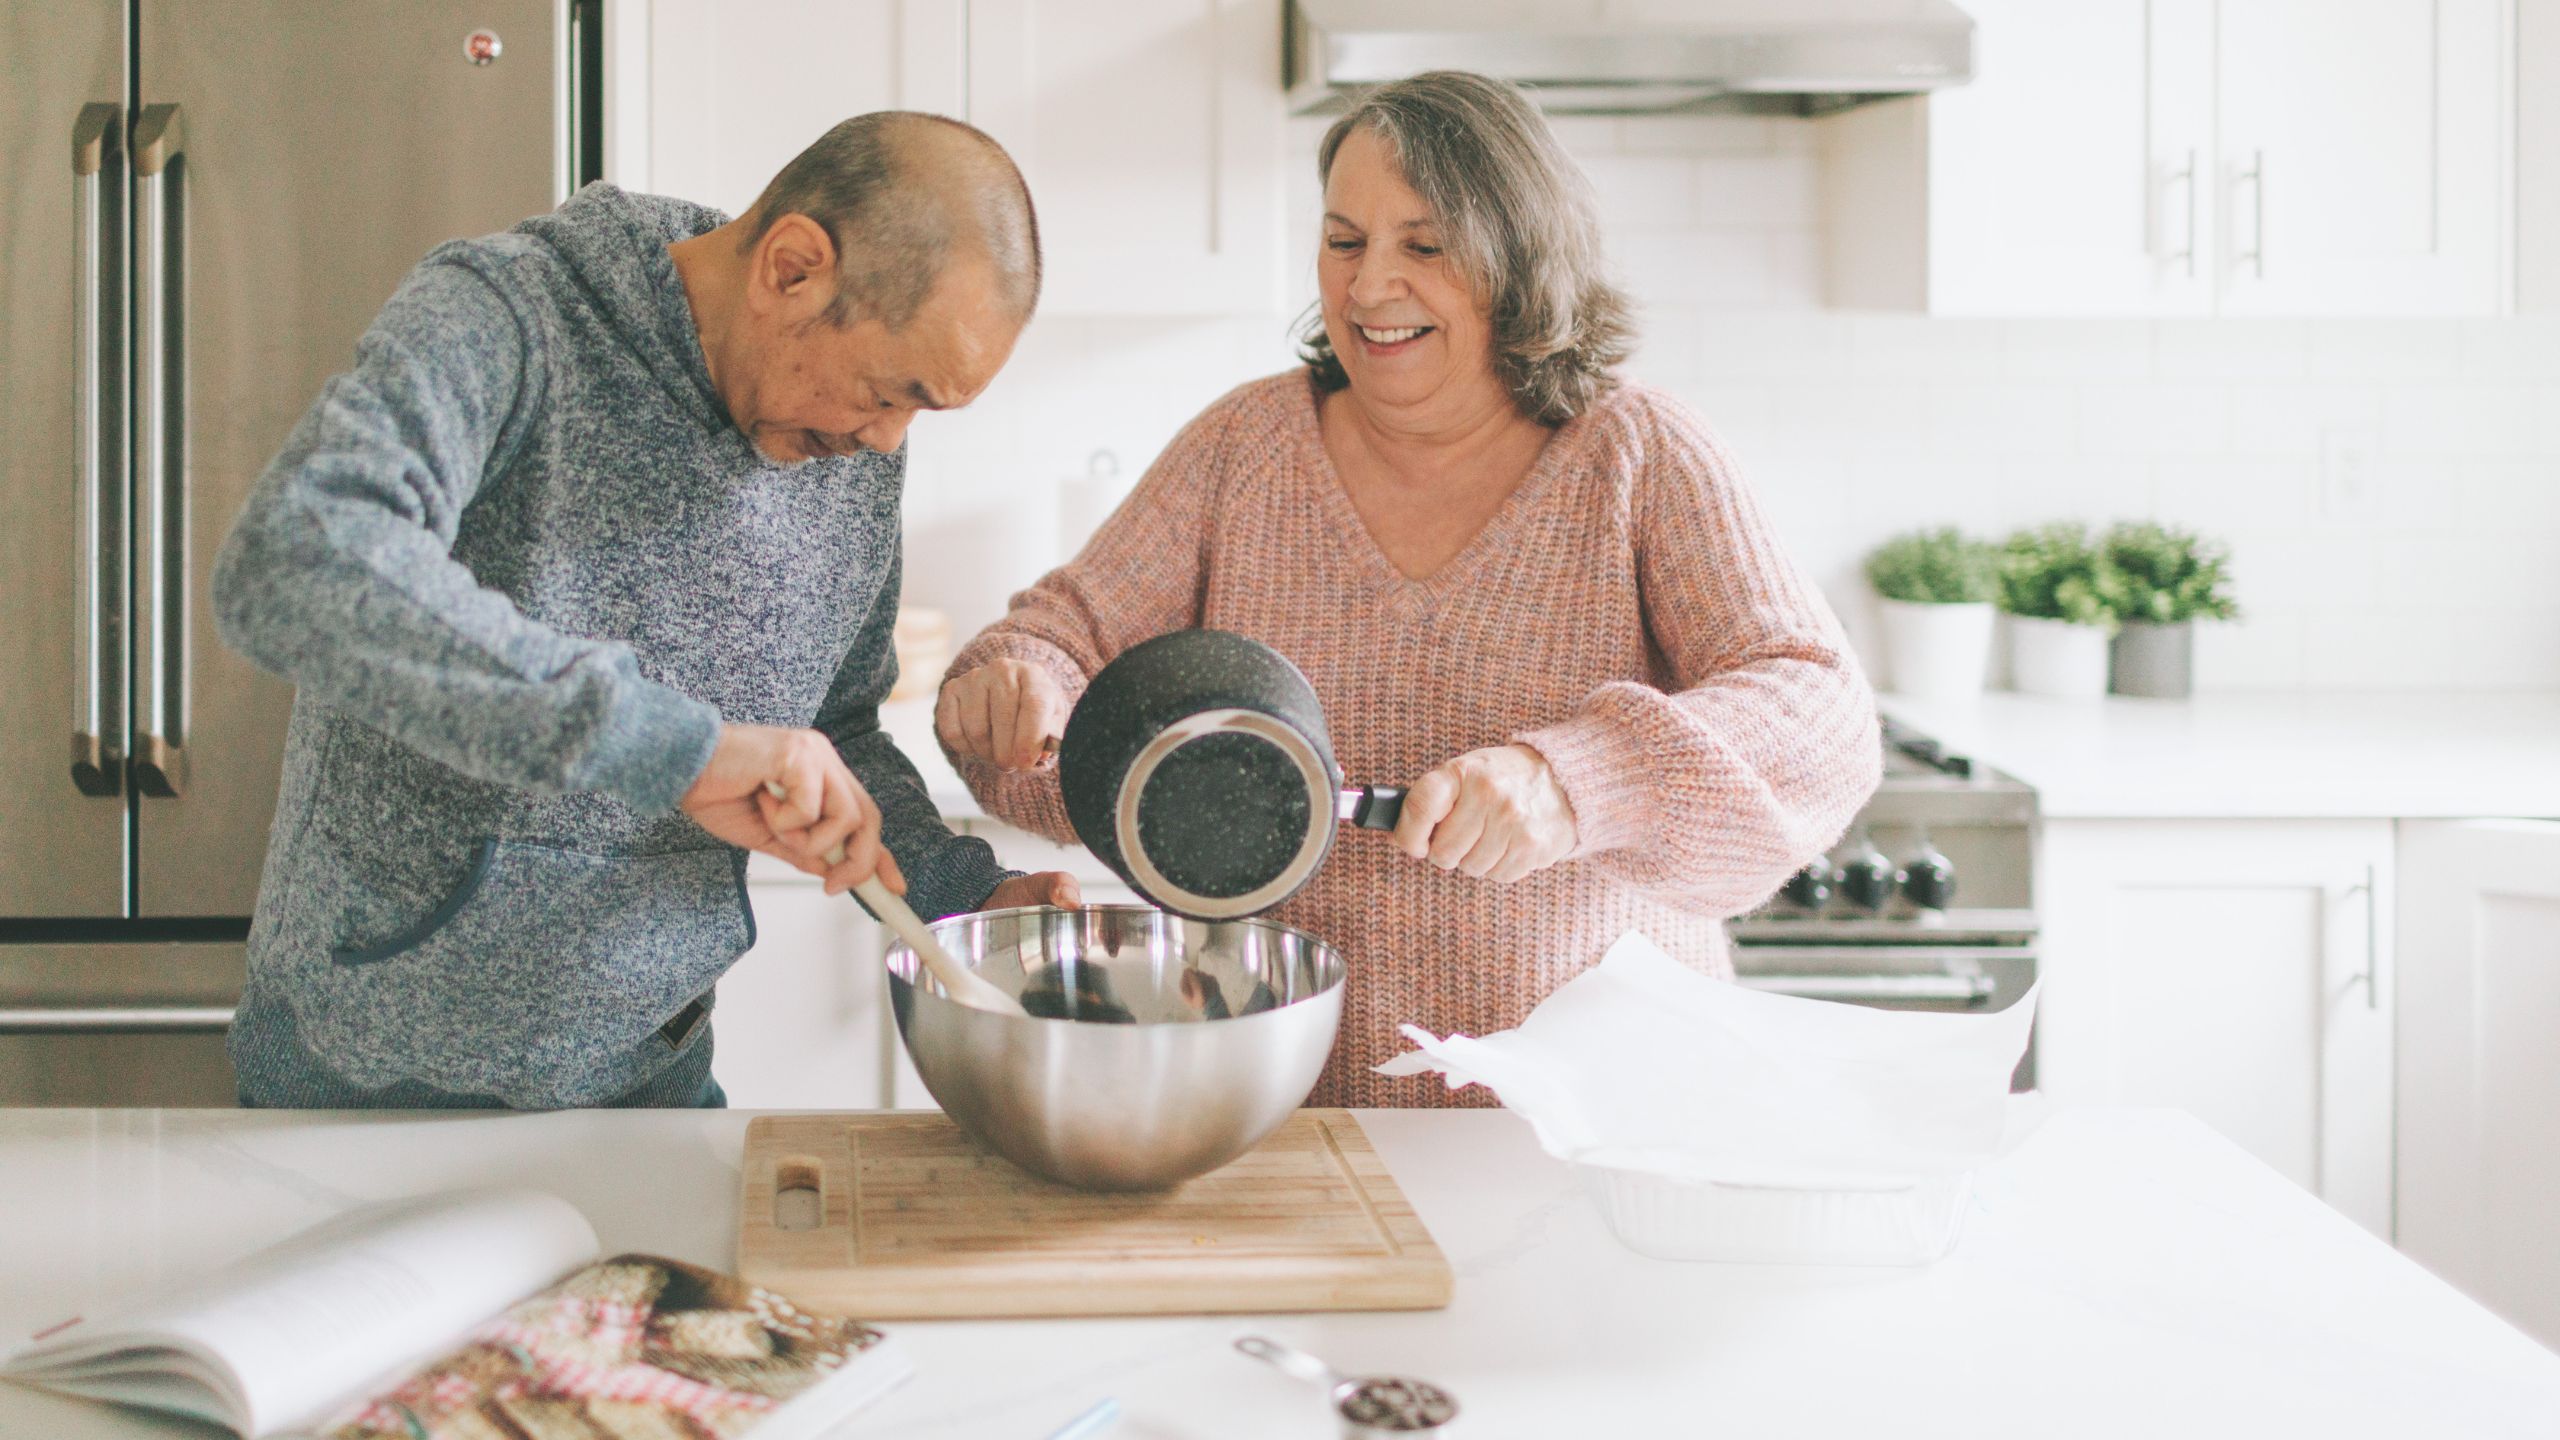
[796, 1203]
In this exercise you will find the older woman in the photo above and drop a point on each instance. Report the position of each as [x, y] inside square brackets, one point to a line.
[1542, 593]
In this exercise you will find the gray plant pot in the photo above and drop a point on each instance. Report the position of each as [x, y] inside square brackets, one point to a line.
[2152, 660]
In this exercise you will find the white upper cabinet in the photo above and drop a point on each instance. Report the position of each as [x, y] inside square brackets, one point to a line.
[2360, 156]
[1150, 130]
[1151, 133]
[2189, 157]
[730, 91]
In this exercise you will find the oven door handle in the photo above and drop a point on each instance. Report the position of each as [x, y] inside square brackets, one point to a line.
[115, 1019]
[1953, 989]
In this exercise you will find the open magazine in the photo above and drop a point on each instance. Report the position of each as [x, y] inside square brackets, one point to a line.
[469, 1316]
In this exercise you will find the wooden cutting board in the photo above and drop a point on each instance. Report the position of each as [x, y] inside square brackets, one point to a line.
[912, 1220]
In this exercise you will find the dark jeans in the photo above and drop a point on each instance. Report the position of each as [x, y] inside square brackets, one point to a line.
[288, 1077]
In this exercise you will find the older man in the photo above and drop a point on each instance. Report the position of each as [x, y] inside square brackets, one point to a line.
[594, 548]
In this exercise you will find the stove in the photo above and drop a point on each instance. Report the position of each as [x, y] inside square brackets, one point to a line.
[1928, 902]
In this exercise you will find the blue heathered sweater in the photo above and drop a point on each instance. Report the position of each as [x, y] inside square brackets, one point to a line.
[522, 566]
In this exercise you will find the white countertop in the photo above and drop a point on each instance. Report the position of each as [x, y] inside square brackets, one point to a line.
[2125, 1273]
[2384, 755]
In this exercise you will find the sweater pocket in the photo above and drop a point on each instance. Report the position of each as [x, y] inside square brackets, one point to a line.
[545, 964]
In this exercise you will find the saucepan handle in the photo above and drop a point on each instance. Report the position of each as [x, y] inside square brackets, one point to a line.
[1373, 807]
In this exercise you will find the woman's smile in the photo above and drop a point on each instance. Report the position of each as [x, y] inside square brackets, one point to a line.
[1382, 340]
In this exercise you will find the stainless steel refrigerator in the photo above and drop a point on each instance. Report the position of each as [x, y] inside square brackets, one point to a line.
[202, 205]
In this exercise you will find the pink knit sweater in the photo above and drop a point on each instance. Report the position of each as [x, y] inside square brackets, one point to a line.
[1627, 612]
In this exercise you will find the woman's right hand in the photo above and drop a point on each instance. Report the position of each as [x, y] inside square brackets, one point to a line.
[1008, 713]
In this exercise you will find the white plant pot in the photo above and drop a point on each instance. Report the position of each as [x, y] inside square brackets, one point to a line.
[1936, 652]
[2057, 658]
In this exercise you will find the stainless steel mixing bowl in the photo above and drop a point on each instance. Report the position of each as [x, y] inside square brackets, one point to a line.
[1157, 1048]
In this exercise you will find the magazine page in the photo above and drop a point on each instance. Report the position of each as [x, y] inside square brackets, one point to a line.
[639, 1348]
[286, 1336]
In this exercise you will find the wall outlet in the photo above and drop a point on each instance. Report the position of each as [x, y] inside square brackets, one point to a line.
[2350, 475]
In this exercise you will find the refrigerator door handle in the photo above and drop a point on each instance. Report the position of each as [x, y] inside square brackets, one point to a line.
[97, 758]
[160, 427]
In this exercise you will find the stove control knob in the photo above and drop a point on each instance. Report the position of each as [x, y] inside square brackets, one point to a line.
[1867, 879]
[1810, 887]
[1929, 880]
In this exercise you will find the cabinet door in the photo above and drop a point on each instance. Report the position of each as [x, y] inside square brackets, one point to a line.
[803, 1015]
[2237, 969]
[2072, 176]
[2361, 150]
[735, 90]
[2479, 1162]
[1150, 131]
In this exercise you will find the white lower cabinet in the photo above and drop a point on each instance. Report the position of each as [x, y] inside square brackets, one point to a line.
[2238, 969]
[2479, 1068]
[802, 1016]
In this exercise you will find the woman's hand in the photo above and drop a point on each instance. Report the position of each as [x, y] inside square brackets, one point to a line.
[1049, 887]
[1497, 814]
[1008, 713]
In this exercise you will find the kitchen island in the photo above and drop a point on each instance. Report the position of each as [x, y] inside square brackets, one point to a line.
[2123, 1273]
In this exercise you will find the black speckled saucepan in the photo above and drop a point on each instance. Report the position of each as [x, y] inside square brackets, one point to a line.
[1197, 766]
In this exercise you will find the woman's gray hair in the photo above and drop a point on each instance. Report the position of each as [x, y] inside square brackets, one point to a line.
[1516, 218]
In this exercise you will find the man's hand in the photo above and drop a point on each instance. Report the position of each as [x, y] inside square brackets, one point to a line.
[1006, 712]
[787, 793]
[1497, 814]
[1050, 887]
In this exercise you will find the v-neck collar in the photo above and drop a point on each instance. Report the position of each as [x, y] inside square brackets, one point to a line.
[1361, 544]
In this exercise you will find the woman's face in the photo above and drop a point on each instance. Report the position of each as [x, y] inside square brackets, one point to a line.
[1400, 316]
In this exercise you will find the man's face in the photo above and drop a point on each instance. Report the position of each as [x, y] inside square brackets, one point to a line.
[801, 387]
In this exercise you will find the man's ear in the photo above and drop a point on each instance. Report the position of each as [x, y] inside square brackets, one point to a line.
[795, 268]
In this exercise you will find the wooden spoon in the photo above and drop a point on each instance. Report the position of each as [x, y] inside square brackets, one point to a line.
[958, 981]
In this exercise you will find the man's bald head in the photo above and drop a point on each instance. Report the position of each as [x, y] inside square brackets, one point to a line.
[902, 194]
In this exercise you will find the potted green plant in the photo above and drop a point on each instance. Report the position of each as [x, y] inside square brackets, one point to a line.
[2062, 596]
[1935, 588]
[2171, 578]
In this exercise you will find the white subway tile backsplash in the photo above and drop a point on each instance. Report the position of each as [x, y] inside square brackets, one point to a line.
[2092, 488]
[2518, 498]
[1998, 419]
[1921, 348]
[2262, 650]
[1651, 192]
[2155, 419]
[2290, 570]
[2382, 349]
[2053, 351]
[2220, 494]
[1757, 192]
[1762, 269]
[1791, 347]
[1891, 493]
[2396, 647]
[2468, 570]
[1696, 135]
[2289, 419]
[2229, 349]
[2514, 348]
[2461, 420]
[1858, 419]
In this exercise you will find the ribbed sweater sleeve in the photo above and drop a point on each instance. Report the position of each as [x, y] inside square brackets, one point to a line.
[1754, 756]
[1139, 577]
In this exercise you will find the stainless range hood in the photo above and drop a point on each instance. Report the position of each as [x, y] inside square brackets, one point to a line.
[1629, 57]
